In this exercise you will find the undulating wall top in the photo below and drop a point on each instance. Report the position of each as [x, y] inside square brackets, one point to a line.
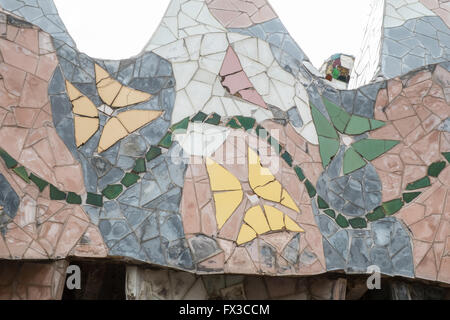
[221, 149]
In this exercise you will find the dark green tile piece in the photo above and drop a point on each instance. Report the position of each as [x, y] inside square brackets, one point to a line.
[393, 206]
[446, 156]
[299, 173]
[377, 214]
[246, 122]
[94, 199]
[112, 191]
[73, 198]
[328, 149]
[339, 117]
[233, 124]
[357, 125]
[199, 117]
[410, 196]
[9, 161]
[342, 221]
[330, 213]
[182, 125]
[323, 127]
[352, 161]
[56, 194]
[214, 119]
[153, 153]
[373, 148]
[166, 142]
[419, 184]
[261, 132]
[41, 184]
[139, 166]
[376, 124]
[358, 223]
[435, 169]
[322, 203]
[130, 179]
[287, 157]
[310, 188]
[275, 144]
[22, 172]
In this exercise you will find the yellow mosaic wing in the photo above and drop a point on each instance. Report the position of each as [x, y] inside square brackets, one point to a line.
[115, 94]
[125, 123]
[264, 183]
[86, 120]
[227, 191]
[259, 222]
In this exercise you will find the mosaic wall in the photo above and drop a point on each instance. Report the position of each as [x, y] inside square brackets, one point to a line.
[221, 149]
[407, 35]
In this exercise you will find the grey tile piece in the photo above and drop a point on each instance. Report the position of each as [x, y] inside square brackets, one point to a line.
[169, 201]
[363, 106]
[178, 254]
[154, 252]
[327, 226]
[133, 146]
[112, 177]
[131, 196]
[150, 191]
[380, 257]
[291, 252]
[161, 174]
[359, 258]
[149, 229]
[101, 166]
[445, 125]
[9, 199]
[11, 5]
[127, 247]
[333, 259]
[171, 226]
[340, 242]
[382, 232]
[403, 263]
[134, 216]
[30, 13]
[203, 247]
[114, 230]
[111, 210]
[93, 212]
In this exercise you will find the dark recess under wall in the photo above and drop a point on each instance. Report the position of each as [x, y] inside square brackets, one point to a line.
[99, 281]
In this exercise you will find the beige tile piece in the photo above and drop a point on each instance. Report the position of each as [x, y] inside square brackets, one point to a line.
[135, 119]
[85, 128]
[113, 132]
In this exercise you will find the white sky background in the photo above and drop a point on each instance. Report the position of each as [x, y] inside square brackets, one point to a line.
[112, 29]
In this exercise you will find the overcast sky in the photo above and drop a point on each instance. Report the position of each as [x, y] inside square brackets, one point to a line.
[112, 29]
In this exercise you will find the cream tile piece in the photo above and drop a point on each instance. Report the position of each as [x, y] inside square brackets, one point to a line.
[220, 178]
[256, 219]
[291, 225]
[246, 234]
[275, 218]
[288, 202]
[85, 128]
[113, 132]
[85, 107]
[226, 203]
[135, 119]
